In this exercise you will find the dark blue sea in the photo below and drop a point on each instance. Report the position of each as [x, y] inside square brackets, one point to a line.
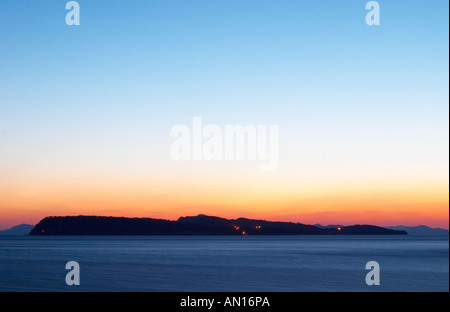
[224, 263]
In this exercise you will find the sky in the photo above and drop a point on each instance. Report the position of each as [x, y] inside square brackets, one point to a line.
[362, 111]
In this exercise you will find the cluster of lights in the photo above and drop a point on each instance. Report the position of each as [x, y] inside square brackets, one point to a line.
[237, 228]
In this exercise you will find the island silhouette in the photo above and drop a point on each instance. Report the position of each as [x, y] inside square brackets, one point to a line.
[195, 225]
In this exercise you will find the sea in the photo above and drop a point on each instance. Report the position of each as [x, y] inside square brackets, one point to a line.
[224, 263]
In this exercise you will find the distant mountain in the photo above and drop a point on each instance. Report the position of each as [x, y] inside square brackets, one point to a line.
[331, 226]
[23, 229]
[420, 230]
[198, 225]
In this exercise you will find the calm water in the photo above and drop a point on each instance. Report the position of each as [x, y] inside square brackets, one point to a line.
[270, 263]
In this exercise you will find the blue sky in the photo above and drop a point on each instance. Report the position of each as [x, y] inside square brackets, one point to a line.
[371, 95]
[161, 62]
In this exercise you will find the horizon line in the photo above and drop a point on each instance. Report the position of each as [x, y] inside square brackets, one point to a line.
[167, 219]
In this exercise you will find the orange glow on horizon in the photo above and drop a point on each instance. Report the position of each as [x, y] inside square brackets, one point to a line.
[383, 206]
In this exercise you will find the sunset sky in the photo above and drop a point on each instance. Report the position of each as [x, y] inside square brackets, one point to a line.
[362, 111]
